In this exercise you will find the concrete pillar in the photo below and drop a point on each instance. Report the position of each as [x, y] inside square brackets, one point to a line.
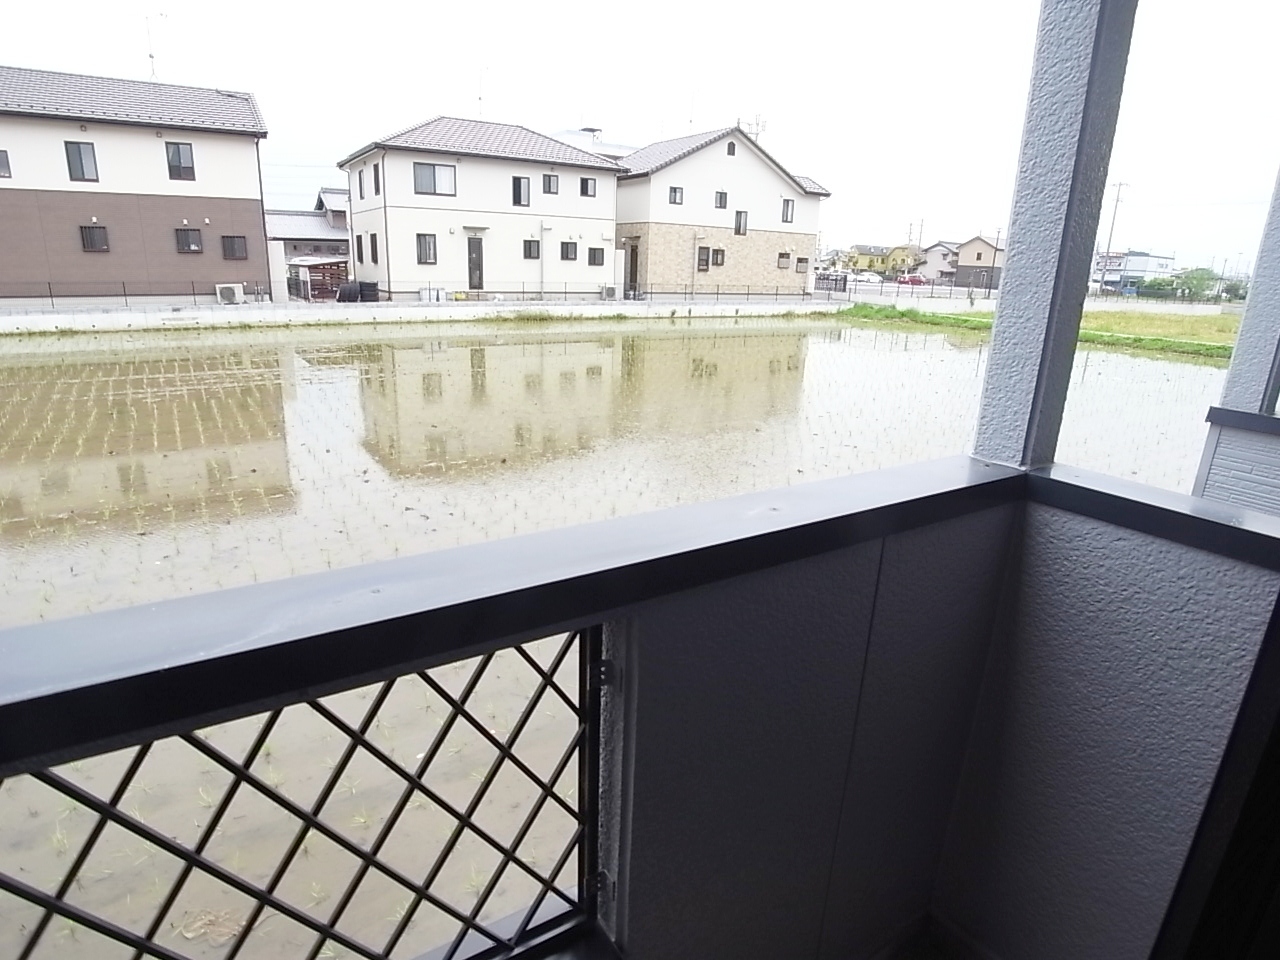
[1082, 48]
[1251, 379]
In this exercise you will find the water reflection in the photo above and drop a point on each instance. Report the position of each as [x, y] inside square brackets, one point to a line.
[87, 442]
[475, 405]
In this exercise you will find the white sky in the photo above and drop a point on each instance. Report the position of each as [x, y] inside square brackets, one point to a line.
[906, 112]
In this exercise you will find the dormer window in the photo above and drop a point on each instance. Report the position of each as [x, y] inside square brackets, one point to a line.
[733, 148]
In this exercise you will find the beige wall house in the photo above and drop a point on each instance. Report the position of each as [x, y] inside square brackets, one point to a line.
[979, 263]
[120, 188]
[715, 213]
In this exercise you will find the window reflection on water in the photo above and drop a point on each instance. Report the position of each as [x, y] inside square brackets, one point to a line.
[135, 467]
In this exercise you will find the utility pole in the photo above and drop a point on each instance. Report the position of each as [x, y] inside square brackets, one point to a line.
[1111, 236]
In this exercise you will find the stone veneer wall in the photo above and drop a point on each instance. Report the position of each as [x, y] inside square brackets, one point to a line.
[668, 256]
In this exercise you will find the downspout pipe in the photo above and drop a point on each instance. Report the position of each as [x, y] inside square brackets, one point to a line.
[386, 231]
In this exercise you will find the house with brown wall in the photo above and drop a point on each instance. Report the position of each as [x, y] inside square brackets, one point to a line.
[123, 188]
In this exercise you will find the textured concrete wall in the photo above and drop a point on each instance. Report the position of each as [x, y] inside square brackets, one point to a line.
[1103, 717]
[1244, 469]
[930, 637]
[1253, 361]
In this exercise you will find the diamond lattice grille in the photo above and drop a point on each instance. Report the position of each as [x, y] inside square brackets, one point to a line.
[434, 813]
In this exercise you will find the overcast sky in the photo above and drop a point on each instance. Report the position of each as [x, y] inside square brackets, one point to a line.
[906, 112]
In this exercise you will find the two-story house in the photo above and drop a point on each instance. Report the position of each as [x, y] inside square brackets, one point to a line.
[979, 263]
[712, 212]
[868, 257]
[459, 207]
[940, 260]
[125, 188]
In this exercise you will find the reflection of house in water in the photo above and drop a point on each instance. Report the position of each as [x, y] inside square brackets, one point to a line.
[92, 439]
[480, 403]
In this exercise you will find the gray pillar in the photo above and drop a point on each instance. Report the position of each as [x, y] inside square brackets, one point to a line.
[1251, 380]
[1082, 48]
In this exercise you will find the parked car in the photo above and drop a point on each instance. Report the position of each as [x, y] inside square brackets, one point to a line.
[867, 277]
[912, 278]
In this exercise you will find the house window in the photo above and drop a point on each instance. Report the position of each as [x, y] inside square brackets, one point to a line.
[722, 200]
[675, 195]
[587, 186]
[519, 191]
[360, 182]
[784, 261]
[235, 248]
[595, 256]
[568, 251]
[94, 239]
[532, 249]
[426, 248]
[704, 259]
[189, 241]
[788, 211]
[438, 178]
[740, 223]
[717, 258]
[4, 164]
[978, 255]
[377, 180]
[802, 264]
[432, 384]
[550, 183]
[182, 161]
[733, 148]
[373, 248]
[82, 162]
[359, 248]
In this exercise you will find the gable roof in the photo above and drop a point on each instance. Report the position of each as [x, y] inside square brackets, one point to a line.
[480, 138]
[649, 160]
[987, 240]
[870, 251]
[303, 225]
[73, 96]
[951, 246]
[333, 198]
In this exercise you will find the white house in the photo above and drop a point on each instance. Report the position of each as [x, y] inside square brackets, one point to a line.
[123, 188]
[456, 207]
[714, 211]
[940, 260]
[1126, 271]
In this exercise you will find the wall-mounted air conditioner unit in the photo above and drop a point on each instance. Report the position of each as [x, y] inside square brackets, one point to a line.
[229, 293]
[608, 292]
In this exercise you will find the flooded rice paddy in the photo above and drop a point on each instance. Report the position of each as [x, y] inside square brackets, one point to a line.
[136, 467]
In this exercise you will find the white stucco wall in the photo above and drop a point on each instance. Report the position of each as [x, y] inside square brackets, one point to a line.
[131, 159]
[483, 207]
[753, 185]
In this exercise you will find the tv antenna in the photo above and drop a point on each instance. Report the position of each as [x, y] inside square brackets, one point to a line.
[151, 53]
[754, 128]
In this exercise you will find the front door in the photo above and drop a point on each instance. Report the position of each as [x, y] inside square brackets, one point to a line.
[634, 270]
[475, 263]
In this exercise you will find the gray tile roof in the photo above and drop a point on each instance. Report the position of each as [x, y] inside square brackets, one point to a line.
[480, 138]
[655, 156]
[333, 198]
[870, 251]
[303, 225]
[813, 186]
[42, 93]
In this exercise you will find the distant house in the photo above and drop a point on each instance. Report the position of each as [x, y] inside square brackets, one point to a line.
[1130, 270]
[464, 207]
[979, 264]
[940, 261]
[126, 188]
[715, 212]
[903, 258]
[865, 257]
[336, 204]
[309, 249]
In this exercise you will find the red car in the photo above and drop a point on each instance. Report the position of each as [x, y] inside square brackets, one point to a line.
[914, 279]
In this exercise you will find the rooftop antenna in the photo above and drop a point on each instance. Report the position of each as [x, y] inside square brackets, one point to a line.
[754, 129]
[151, 53]
[480, 95]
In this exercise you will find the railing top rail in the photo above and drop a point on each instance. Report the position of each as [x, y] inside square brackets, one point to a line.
[85, 683]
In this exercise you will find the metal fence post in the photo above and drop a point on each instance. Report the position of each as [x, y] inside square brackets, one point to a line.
[52, 305]
[194, 301]
[124, 292]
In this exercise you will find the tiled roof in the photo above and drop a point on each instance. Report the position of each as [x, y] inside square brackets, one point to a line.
[870, 251]
[42, 93]
[813, 186]
[479, 138]
[303, 225]
[333, 198]
[951, 246]
[655, 156]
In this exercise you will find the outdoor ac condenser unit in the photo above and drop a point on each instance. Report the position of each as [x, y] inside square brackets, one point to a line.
[608, 292]
[229, 293]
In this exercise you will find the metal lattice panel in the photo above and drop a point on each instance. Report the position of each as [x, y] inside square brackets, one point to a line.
[435, 813]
